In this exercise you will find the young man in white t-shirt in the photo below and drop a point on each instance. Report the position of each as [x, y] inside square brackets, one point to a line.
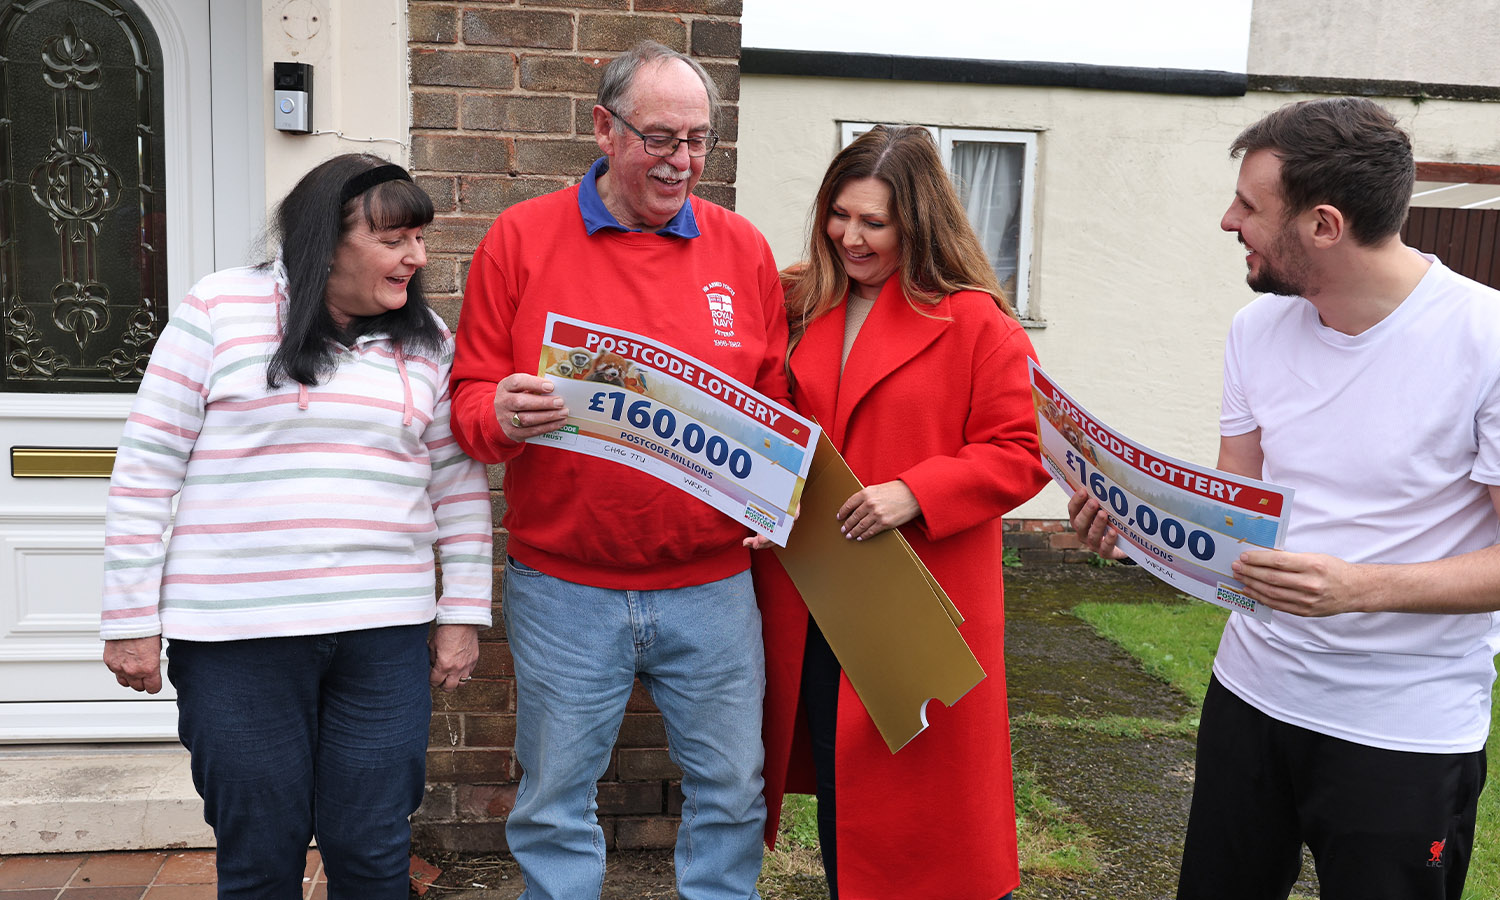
[1367, 378]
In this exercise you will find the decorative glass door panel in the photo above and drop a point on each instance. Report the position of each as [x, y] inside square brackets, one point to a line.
[83, 218]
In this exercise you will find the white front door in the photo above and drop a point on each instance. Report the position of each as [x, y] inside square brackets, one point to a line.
[205, 200]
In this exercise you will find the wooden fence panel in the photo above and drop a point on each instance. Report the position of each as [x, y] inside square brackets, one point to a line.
[1464, 239]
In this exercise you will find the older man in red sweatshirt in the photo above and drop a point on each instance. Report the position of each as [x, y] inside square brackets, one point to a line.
[613, 574]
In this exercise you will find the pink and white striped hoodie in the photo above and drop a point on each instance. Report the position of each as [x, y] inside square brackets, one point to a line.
[299, 510]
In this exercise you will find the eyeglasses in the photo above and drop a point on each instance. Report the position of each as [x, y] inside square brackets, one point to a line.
[665, 144]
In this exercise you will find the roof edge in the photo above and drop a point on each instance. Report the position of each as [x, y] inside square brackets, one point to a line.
[1373, 87]
[828, 64]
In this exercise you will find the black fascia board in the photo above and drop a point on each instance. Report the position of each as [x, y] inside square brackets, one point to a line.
[827, 64]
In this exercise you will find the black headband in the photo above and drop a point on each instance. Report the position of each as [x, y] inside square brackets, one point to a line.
[369, 178]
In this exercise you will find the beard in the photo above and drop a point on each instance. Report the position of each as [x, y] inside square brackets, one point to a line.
[1284, 270]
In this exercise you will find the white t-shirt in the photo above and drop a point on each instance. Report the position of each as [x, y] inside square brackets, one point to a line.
[1390, 439]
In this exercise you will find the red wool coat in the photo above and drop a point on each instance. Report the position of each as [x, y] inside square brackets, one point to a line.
[941, 401]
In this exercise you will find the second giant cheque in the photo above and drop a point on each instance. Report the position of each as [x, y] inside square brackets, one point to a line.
[1183, 523]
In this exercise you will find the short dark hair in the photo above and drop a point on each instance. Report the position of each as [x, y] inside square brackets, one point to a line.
[1344, 151]
[308, 225]
[619, 77]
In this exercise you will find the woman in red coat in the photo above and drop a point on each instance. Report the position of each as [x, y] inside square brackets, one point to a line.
[906, 351]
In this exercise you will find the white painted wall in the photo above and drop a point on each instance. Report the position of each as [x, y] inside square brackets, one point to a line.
[361, 99]
[1439, 41]
[1134, 280]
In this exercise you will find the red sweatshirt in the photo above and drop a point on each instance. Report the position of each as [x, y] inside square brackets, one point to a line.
[593, 521]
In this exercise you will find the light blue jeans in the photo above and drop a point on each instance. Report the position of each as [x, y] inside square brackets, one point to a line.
[577, 652]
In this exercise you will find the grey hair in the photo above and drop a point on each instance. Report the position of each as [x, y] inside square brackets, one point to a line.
[619, 77]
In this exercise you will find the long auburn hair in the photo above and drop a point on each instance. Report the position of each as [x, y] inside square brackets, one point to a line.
[940, 253]
[308, 225]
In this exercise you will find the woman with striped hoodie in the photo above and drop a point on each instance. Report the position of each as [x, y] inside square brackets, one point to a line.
[297, 412]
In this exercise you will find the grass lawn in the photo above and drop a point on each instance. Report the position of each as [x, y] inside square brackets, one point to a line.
[1176, 643]
[794, 870]
[1050, 840]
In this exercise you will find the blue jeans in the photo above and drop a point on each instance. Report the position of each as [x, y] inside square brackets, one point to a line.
[293, 737]
[577, 651]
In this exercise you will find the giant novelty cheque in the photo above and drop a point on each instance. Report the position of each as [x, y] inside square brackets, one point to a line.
[1183, 523]
[652, 407]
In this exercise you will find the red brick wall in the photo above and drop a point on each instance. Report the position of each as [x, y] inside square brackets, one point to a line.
[502, 100]
[1044, 541]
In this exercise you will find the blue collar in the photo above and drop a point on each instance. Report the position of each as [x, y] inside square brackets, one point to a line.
[596, 215]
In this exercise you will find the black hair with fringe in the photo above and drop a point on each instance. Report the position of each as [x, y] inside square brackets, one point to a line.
[308, 225]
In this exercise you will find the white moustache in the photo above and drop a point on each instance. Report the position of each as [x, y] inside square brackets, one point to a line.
[666, 172]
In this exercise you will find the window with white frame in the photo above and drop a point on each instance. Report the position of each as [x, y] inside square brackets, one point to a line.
[994, 173]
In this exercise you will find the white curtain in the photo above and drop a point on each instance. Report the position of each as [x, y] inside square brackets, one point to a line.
[988, 177]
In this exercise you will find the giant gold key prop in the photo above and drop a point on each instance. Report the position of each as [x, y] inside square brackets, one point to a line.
[889, 622]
